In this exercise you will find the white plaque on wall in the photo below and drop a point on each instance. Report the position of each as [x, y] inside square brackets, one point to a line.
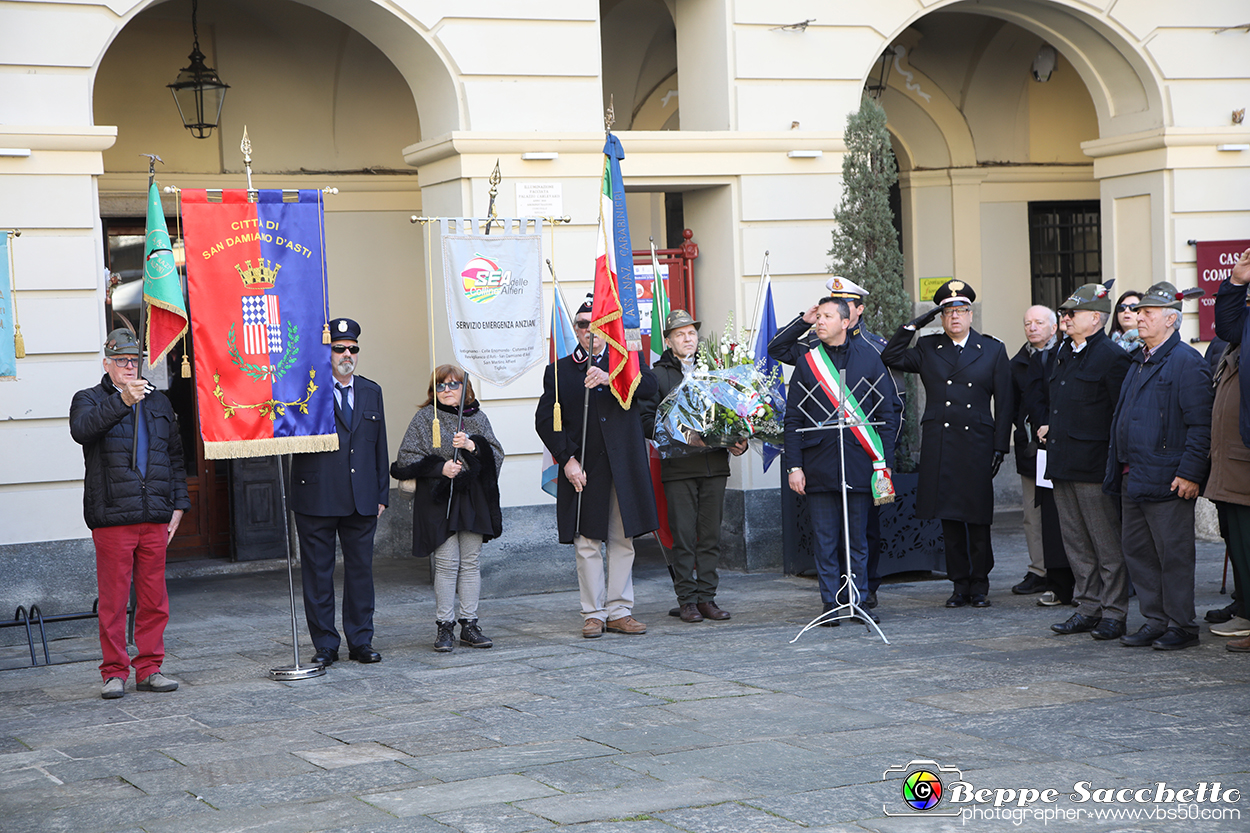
[539, 199]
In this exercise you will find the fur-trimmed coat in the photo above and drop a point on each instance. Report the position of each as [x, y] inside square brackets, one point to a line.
[475, 504]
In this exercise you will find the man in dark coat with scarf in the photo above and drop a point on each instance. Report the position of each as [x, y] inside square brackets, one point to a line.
[611, 473]
[1157, 465]
[962, 442]
[1040, 326]
[1084, 387]
[827, 377]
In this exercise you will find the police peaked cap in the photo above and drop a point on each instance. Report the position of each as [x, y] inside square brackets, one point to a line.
[954, 292]
[343, 329]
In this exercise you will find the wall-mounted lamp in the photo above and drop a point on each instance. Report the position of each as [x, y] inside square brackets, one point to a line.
[14, 151]
[543, 156]
[1232, 148]
[198, 92]
[805, 154]
[874, 88]
[1044, 63]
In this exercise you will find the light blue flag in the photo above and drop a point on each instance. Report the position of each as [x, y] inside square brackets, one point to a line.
[8, 358]
[563, 341]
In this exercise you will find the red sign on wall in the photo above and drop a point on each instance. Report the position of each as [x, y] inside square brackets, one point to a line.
[1215, 264]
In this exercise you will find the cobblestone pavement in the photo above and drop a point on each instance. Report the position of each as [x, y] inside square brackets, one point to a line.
[709, 727]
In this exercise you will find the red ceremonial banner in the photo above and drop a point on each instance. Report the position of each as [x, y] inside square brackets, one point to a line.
[1215, 264]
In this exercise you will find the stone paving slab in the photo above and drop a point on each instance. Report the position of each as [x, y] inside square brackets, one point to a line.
[713, 727]
[630, 800]
[466, 793]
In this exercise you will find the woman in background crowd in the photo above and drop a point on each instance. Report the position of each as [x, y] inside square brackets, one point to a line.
[1124, 321]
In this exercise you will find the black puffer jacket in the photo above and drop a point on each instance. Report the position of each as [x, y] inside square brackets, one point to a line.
[113, 493]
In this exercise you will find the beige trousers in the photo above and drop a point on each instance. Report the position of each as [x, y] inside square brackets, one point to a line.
[614, 597]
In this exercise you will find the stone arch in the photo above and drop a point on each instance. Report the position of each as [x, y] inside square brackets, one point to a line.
[398, 34]
[1125, 88]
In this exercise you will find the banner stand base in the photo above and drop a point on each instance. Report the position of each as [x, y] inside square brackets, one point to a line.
[296, 672]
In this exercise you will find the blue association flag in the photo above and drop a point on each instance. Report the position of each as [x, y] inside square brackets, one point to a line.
[619, 240]
[563, 340]
[765, 329]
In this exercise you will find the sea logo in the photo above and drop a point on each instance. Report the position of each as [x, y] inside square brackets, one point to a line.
[484, 280]
[924, 784]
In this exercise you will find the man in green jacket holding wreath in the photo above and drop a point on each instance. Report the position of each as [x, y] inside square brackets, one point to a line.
[694, 485]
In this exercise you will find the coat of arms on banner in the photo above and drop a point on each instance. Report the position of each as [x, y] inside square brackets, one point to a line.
[256, 281]
[493, 283]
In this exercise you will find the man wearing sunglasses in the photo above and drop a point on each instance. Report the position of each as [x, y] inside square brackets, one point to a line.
[134, 494]
[342, 494]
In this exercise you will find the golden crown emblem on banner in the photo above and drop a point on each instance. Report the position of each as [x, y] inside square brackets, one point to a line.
[260, 276]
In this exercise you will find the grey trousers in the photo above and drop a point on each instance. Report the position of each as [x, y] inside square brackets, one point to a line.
[695, 507]
[1158, 542]
[1033, 525]
[1091, 537]
[457, 576]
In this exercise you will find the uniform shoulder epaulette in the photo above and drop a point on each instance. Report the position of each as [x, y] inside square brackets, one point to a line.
[994, 338]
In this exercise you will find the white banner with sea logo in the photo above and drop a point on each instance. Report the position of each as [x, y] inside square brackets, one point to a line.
[493, 283]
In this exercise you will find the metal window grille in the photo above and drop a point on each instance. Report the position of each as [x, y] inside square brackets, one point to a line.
[1064, 248]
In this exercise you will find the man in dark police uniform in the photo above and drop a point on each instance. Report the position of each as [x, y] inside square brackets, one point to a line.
[343, 493]
[962, 440]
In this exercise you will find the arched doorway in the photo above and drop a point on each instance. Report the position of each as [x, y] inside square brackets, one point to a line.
[323, 105]
[997, 179]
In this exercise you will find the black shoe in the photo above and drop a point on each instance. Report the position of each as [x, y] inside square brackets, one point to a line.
[979, 600]
[471, 635]
[325, 657]
[874, 617]
[364, 653]
[1145, 635]
[446, 639]
[1175, 639]
[1220, 615]
[675, 611]
[870, 601]
[1080, 624]
[830, 623]
[1108, 629]
[957, 600]
[1032, 583]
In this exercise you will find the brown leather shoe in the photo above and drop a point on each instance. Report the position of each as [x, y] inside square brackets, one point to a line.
[593, 628]
[711, 611]
[690, 613]
[1241, 646]
[626, 624]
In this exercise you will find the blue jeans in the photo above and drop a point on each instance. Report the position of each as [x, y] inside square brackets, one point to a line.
[826, 514]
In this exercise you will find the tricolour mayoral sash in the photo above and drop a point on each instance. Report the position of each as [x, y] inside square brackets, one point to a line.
[831, 383]
[256, 283]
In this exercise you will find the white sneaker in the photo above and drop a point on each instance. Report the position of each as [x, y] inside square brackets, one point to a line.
[1237, 626]
[114, 687]
[157, 682]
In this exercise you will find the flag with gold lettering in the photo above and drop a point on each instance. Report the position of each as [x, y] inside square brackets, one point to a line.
[256, 283]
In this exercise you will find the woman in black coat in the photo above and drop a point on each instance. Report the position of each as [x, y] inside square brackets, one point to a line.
[455, 504]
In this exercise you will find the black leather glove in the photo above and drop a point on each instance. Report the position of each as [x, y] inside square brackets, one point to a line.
[917, 323]
[998, 462]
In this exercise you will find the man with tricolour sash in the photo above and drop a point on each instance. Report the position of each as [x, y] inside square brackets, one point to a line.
[836, 376]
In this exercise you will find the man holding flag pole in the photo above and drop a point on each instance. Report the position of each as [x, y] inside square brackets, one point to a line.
[604, 497]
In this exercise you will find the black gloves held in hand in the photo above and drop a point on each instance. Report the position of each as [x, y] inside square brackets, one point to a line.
[998, 461]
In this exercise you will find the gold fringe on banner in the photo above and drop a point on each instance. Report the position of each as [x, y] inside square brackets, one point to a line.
[238, 449]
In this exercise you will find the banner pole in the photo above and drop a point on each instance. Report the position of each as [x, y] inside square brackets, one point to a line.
[295, 671]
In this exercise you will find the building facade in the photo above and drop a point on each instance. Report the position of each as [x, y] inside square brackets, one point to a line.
[731, 113]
